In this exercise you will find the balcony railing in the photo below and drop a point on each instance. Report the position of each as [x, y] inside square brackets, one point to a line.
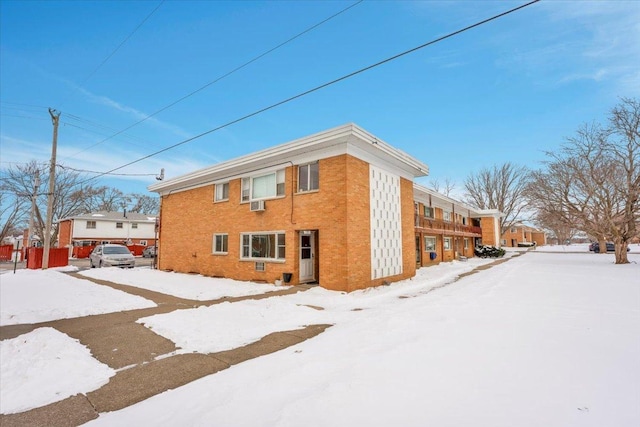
[440, 225]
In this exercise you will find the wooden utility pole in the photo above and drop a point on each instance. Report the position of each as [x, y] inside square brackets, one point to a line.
[34, 197]
[55, 118]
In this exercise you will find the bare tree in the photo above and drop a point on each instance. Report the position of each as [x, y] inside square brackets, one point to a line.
[144, 204]
[445, 188]
[501, 187]
[104, 199]
[11, 214]
[593, 182]
[67, 196]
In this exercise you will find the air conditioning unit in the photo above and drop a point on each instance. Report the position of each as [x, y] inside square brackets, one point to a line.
[257, 206]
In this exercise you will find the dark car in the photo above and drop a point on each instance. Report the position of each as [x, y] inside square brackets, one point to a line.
[149, 252]
[610, 247]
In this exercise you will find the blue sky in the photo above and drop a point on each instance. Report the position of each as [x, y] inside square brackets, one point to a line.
[504, 92]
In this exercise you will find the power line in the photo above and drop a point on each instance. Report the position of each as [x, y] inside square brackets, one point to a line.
[322, 86]
[111, 174]
[238, 68]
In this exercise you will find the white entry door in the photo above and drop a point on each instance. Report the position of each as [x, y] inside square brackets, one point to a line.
[307, 270]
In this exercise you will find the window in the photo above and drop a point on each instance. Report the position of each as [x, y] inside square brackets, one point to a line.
[91, 224]
[222, 192]
[263, 186]
[466, 243]
[429, 243]
[259, 266]
[428, 212]
[118, 225]
[220, 243]
[513, 229]
[464, 220]
[447, 243]
[134, 225]
[266, 245]
[308, 179]
[446, 215]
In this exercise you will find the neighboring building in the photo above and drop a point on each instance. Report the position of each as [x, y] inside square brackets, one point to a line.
[106, 227]
[523, 234]
[447, 229]
[334, 208]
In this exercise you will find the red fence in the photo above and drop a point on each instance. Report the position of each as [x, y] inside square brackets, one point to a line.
[82, 251]
[5, 252]
[58, 257]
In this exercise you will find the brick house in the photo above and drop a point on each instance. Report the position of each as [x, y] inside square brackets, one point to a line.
[334, 208]
[88, 230]
[523, 234]
[447, 229]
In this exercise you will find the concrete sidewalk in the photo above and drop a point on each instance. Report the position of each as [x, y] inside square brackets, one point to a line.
[116, 340]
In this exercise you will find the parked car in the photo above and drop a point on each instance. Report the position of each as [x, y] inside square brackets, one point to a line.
[111, 255]
[595, 247]
[149, 252]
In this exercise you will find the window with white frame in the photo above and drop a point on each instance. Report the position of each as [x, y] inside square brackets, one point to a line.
[263, 186]
[220, 243]
[428, 212]
[446, 215]
[447, 243]
[308, 178]
[118, 225]
[222, 192]
[134, 225]
[429, 243]
[268, 246]
[466, 243]
[91, 224]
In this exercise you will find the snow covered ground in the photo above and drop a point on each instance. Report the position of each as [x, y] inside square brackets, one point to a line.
[33, 296]
[544, 339]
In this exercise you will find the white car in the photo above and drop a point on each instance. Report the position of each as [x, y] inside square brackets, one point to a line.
[111, 255]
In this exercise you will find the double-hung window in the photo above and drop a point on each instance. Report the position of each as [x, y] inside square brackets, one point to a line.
[308, 179]
[262, 187]
[91, 224]
[220, 243]
[222, 192]
[447, 243]
[118, 225]
[446, 215]
[429, 243]
[264, 246]
[428, 212]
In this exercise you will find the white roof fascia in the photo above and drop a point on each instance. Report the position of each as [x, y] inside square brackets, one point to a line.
[299, 151]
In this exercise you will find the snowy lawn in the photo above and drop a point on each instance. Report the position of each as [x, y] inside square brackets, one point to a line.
[544, 339]
[547, 339]
[32, 296]
[45, 366]
[187, 286]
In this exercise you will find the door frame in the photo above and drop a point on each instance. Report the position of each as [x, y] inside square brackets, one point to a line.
[313, 235]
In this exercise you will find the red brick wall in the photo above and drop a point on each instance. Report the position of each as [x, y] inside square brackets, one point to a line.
[338, 212]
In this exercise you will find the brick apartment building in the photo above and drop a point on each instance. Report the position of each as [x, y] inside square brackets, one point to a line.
[335, 208]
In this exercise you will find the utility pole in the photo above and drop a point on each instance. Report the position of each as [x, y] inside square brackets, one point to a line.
[55, 118]
[34, 196]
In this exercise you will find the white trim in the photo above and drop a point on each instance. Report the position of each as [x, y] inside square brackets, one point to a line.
[213, 249]
[444, 243]
[259, 259]
[346, 139]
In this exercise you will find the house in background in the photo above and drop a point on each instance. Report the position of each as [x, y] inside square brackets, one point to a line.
[81, 233]
[523, 235]
[334, 208]
[447, 229]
